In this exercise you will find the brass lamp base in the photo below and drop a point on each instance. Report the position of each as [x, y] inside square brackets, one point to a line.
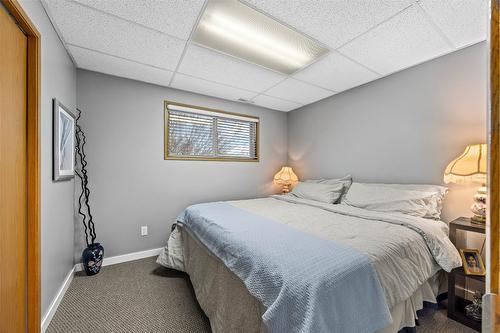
[286, 188]
[478, 219]
[479, 206]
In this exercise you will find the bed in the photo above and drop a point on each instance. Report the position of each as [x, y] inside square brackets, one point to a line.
[288, 264]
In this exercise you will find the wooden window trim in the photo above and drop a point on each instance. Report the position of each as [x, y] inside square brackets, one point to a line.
[219, 159]
[33, 163]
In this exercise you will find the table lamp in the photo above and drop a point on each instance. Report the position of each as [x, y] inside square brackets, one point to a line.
[469, 168]
[285, 177]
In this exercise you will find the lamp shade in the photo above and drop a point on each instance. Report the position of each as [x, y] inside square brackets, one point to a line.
[285, 176]
[470, 167]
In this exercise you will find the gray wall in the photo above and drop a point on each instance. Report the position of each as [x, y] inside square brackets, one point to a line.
[58, 80]
[131, 183]
[403, 128]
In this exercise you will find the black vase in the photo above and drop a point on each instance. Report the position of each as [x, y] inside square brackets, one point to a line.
[92, 258]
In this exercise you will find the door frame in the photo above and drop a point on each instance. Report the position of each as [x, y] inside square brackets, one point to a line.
[494, 153]
[33, 163]
[491, 317]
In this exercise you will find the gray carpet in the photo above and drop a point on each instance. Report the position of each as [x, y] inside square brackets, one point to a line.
[138, 296]
[143, 297]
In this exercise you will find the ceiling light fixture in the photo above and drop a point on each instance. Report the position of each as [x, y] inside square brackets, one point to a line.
[238, 30]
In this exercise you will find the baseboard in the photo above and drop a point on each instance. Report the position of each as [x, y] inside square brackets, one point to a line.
[124, 258]
[78, 267]
[56, 301]
[489, 310]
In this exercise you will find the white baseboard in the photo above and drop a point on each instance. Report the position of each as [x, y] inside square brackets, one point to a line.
[78, 267]
[57, 300]
[125, 257]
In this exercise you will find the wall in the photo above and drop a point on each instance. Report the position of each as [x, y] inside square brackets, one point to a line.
[403, 128]
[58, 80]
[131, 183]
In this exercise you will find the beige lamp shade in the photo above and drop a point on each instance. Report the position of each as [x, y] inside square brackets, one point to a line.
[285, 176]
[470, 167]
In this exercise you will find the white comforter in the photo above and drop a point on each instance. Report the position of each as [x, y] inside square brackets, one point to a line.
[406, 251]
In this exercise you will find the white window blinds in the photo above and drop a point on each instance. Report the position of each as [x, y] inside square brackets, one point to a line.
[206, 134]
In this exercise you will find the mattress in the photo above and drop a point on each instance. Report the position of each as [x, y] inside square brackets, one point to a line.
[406, 266]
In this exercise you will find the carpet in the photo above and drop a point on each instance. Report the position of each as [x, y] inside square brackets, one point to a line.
[138, 296]
[143, 297]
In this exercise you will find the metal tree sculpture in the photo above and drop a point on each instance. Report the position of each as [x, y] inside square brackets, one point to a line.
[83, 199]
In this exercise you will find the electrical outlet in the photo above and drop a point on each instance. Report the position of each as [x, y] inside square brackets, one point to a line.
[144, 230]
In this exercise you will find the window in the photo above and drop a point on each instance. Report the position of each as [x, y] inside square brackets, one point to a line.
[195, 133]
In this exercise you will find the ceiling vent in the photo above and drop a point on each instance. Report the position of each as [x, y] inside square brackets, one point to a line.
[243, 100]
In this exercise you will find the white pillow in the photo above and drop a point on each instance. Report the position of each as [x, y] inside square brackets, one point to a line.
[318, 192]
[346, 181]
[416, 200]
[439, 190]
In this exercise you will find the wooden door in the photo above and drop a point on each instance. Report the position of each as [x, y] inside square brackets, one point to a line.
[491, 300]
[13, 176]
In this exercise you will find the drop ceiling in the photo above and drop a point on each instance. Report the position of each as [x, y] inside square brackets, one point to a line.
[151, 41]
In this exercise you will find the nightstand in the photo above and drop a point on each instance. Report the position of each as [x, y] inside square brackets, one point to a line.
[457, 303]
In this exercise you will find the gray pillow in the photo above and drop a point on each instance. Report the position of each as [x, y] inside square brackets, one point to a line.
[346, 181]
[418, 200]
[327, 193]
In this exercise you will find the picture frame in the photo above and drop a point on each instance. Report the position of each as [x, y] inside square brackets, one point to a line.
[63, 138]
[472, 262]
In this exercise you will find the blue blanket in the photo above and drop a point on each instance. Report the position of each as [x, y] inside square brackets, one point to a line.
[306, 284]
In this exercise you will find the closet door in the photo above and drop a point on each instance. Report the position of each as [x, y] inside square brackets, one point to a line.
[13, 176]
[19, 171]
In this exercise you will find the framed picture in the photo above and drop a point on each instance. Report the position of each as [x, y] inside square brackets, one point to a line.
[472, 262]
[63, 136]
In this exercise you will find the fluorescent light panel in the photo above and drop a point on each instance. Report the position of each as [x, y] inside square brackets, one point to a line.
[238, 30]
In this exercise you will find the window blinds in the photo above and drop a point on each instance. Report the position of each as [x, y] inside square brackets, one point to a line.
[197, 133]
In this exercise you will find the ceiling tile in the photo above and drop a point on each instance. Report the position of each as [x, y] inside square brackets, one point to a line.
[336, 72]
[175, 18]
[463, 22]
[331, 22]
[275, 103]
[298, 91]
[103, 63]
[91, 29]
[217, 67]
[189, 83]
[404, 41]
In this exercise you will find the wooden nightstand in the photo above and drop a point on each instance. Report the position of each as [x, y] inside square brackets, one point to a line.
[456, 304]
